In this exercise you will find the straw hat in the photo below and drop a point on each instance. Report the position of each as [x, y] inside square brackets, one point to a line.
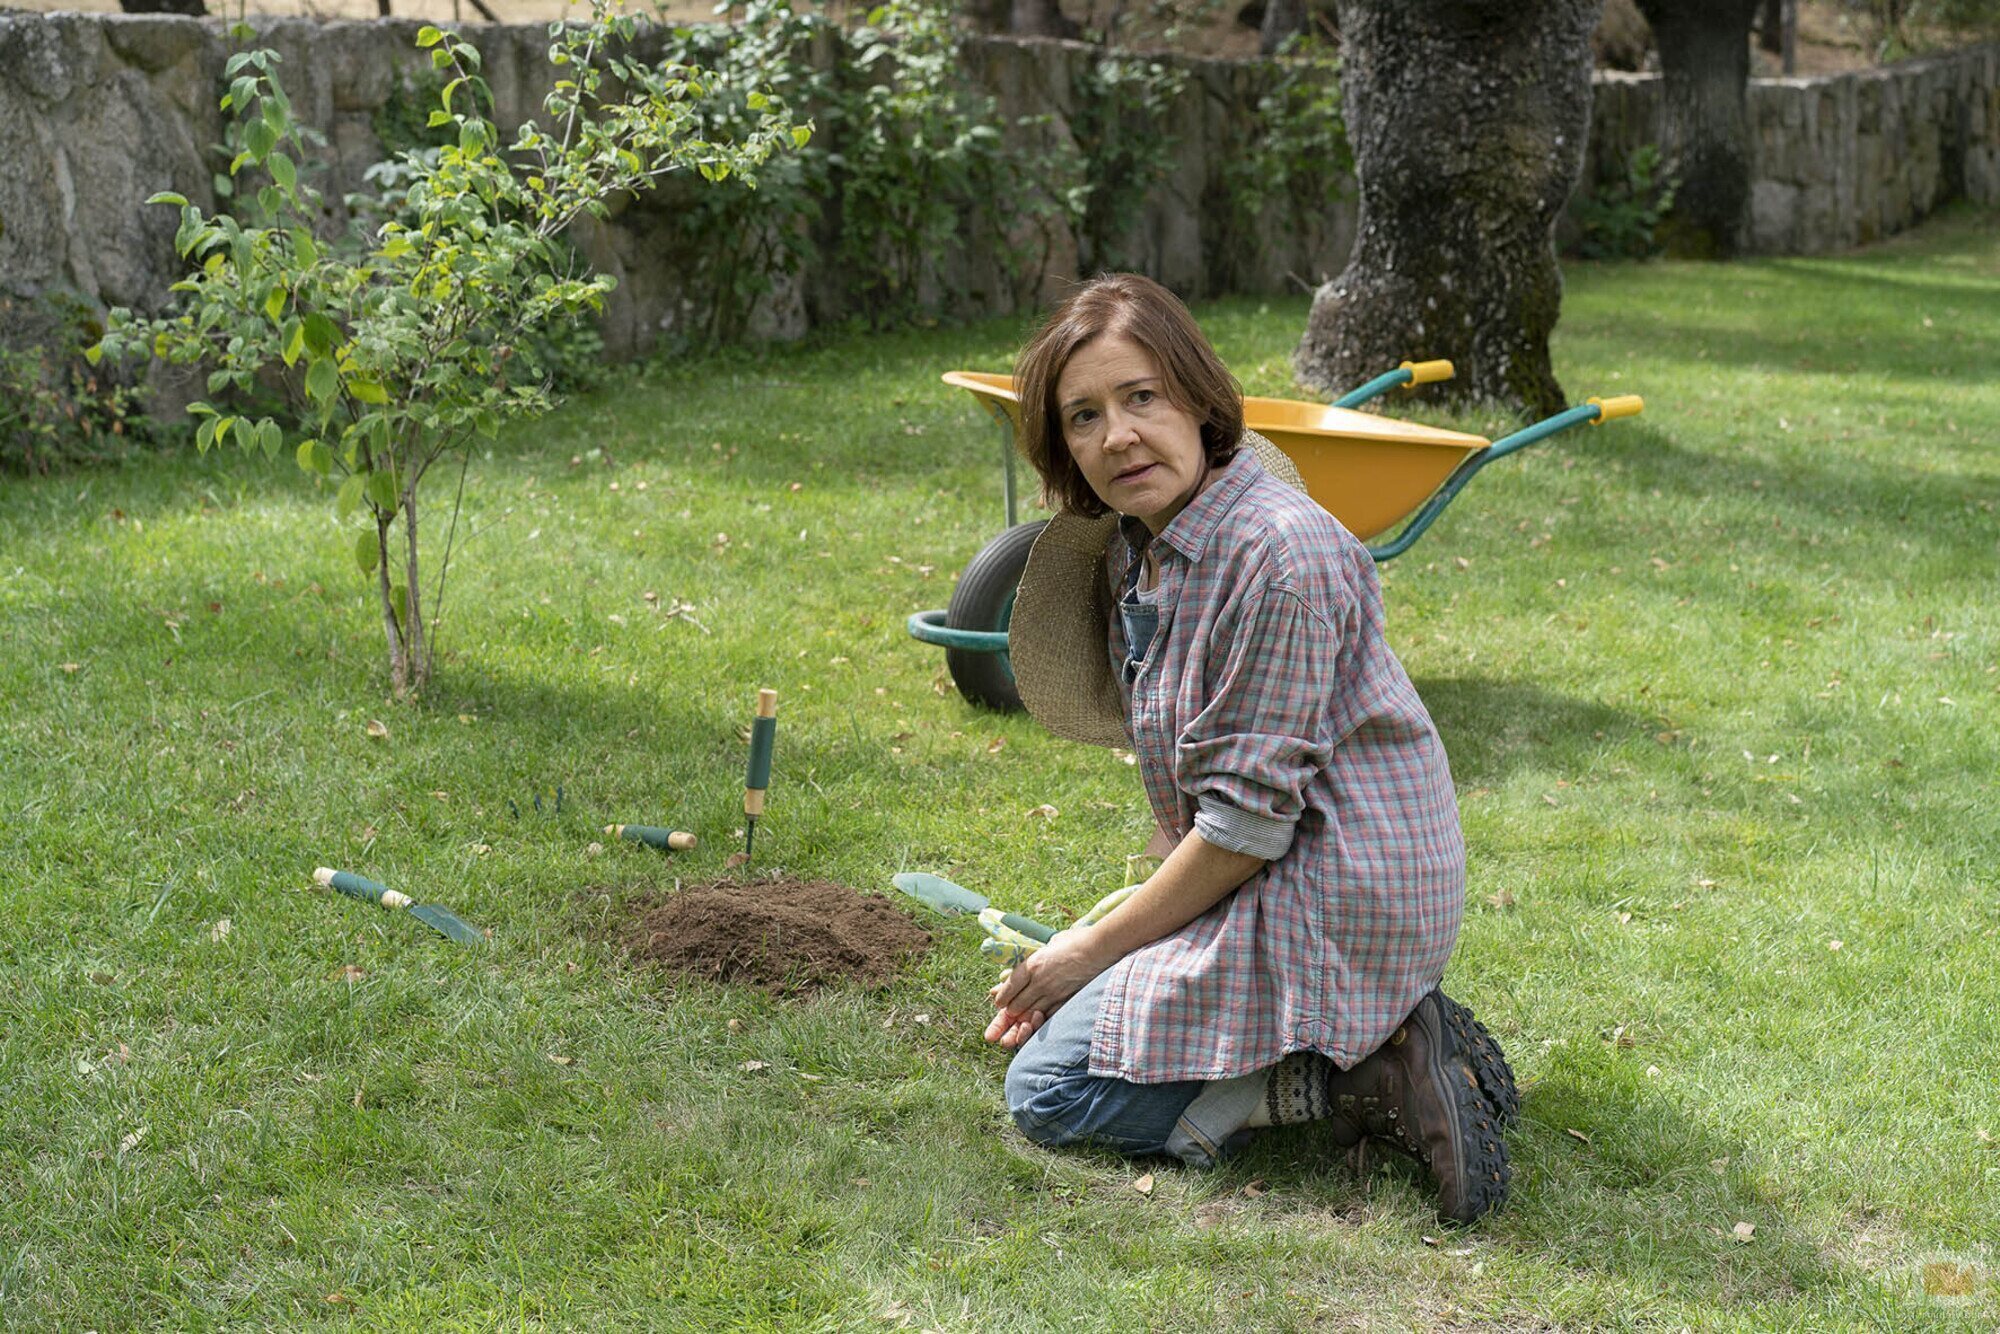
[1056, 636]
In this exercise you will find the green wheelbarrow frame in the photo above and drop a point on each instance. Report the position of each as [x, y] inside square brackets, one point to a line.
[978, 658]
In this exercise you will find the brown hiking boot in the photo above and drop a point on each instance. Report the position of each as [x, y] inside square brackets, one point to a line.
[1437, 1089]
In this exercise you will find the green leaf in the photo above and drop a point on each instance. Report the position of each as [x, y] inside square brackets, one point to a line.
[168, 197]
[427, 36]
[282, 170]
[444, 97]
[271, 437]
[382, 489]
[304, 247]
[439, 118]
[440, 59]
[274, 304]
[94, 353]
[367, 391]
[321, 334]
[348, 499]
[222, 428]
[204, 435]
[218, 381]
[295, 340]
[322, 381]
[800, 134]
[367, 551]
[314, 457]
[758, 102]
[259, 138]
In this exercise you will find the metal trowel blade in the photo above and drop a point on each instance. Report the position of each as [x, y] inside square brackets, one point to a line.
[938, 892]
[447, 923]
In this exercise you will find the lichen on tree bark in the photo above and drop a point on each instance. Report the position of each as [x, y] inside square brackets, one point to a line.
[1468, 120]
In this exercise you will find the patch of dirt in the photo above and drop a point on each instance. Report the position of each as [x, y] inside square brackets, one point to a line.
[784, 936]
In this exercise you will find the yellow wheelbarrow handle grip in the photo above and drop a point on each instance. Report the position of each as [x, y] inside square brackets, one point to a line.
[1624, 405]
[1426, 372]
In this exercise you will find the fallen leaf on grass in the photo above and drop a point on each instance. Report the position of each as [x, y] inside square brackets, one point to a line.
[594, 850]
[752, 1067]
[1503, 899]
[350, 973]
[131, 1141]
[103, 979]
[1430, 1241]
[1835, 944]
[1256, 1188]
[736, 859]
[558, 1060]
[1576, 1134]
[220, 931]
[339, 1299]
[1744, 1231]
[1144, 1185]
[378, 730]
[72, 667]
[1043, 812]
[996, 745]
[1212, 1213]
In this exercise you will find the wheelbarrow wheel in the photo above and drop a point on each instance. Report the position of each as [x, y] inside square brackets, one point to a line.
[984, 600]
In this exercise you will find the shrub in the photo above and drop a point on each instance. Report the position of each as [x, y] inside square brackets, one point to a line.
[55, 408]
[396, 358]
[1621, 219]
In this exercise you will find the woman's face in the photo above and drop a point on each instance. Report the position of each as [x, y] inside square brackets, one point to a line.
[1141, 454]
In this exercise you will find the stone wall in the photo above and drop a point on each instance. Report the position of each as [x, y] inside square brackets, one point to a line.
[99, 111]
[1843, 160]
[105, 110]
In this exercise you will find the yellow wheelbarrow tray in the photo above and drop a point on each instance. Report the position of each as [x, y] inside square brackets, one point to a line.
[1370, 472]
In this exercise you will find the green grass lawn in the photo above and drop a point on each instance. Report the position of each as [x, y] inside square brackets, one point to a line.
[1721, 688]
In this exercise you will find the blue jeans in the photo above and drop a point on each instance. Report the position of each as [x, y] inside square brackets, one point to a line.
[1055, 1100]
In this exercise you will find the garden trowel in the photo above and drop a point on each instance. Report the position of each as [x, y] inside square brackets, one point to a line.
[441, 920]
[946, 897]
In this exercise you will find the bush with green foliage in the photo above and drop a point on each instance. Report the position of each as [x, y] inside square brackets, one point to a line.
[1296, 157]
[1123, 106]
[735, 244]
[55, 408]
[1621, 219]
[398, 357]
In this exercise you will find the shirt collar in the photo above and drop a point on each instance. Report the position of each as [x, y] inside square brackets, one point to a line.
[1190, 530]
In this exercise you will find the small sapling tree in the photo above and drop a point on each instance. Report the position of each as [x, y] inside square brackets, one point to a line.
[399, 354]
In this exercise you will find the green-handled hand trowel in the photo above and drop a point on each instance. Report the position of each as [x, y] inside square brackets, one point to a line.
[441, 920]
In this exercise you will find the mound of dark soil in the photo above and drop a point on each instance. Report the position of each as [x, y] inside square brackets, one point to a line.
[782, 935]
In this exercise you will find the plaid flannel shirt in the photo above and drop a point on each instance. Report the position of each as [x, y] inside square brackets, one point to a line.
[1271, 717]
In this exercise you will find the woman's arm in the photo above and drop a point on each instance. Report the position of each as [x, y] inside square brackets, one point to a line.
[1194, 878]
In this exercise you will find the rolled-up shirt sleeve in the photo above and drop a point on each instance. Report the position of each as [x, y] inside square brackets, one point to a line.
[1264, 733]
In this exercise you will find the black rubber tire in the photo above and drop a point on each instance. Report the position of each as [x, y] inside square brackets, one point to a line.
[984, 600]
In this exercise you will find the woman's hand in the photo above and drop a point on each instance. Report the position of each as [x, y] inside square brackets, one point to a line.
[1040, 983]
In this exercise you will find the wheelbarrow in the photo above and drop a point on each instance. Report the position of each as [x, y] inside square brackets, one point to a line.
[1371, 473]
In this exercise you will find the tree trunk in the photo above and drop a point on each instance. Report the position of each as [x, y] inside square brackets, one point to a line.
[1705, 72]
[1771, 25]
[399, 657]
[416, 639]
[1468, 120]
[1041, 18]
[1283, 19]
[192, 8]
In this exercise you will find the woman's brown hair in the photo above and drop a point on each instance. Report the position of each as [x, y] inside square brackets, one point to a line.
[1122, 303]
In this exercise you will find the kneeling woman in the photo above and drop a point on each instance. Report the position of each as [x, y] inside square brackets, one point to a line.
[1282, 965]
